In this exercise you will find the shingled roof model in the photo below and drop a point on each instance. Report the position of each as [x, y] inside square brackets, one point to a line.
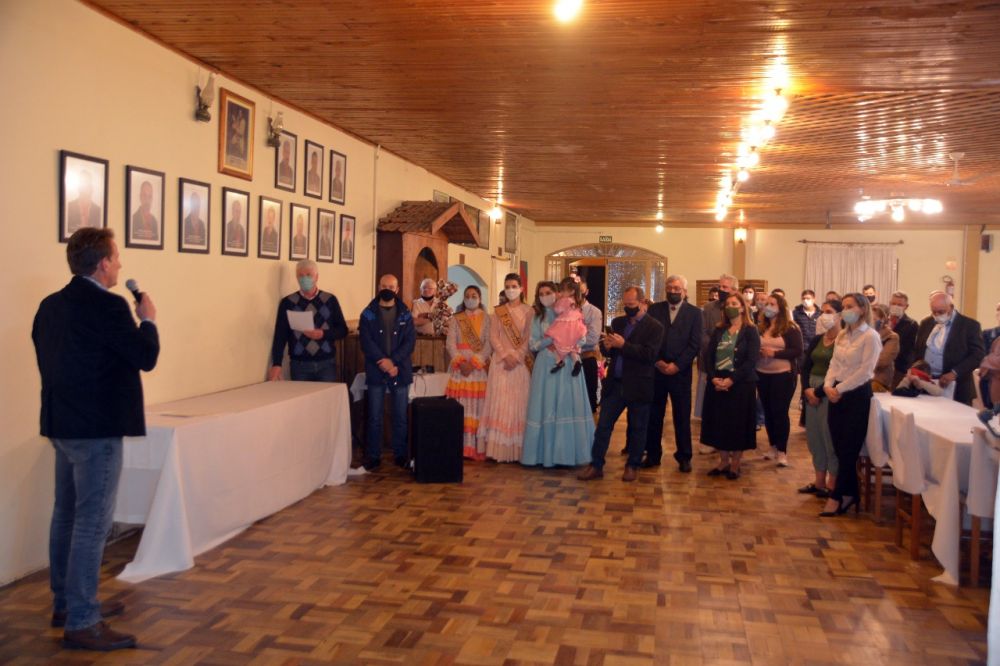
[430, 217]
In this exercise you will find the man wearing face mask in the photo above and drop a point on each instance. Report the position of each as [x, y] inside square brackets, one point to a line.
[870, 293]
[906, 328]
[631, 348]
[805, 315]
[312, 352]
[952, 344]
[681, 343]
[387, 336]
[422, 307]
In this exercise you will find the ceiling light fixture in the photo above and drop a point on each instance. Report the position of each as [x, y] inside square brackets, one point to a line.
[567, 10]
[866, 209]
[659, 228]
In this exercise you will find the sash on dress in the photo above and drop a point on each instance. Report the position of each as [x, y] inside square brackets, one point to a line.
[507, 321]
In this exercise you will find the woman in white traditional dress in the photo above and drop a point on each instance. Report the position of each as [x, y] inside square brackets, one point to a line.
[501, 427]
[469, 349]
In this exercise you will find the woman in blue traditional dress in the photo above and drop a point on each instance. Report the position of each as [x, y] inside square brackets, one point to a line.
[560, 426]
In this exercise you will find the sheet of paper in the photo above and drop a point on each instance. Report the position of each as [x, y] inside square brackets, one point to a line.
[301, 321]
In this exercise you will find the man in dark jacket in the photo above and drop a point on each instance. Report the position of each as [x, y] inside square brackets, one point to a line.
[89, 353]
[805, 315]
[388, 336]
[631, 349]
[952, 344]
[681, 344]
[906, 329]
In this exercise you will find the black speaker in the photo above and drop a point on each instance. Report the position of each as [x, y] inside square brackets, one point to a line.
[436, 430]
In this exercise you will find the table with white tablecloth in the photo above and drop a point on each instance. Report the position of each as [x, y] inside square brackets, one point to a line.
[929, 443]
[211, 465]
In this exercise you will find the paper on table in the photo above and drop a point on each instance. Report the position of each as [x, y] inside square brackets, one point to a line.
[301, 320]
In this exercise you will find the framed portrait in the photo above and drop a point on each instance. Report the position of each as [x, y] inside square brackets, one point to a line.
[298, 231]
[235, 221]
[510, 234]
[441, 197]
[269, 224]
[347, 237]
[313, 164]
[285, 156]
[483, 226]
[338, 178]
[193, 215]
[236, 123]
[326, 227]
[83, 193]
[144, 208]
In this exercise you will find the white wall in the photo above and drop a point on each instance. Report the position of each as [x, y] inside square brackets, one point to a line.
[75, 80]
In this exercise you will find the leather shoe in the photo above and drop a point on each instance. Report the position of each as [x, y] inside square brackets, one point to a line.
[685, 466]
[108, 609]
[590, 473]
[648, 464]
[100, 637]
[630, 474]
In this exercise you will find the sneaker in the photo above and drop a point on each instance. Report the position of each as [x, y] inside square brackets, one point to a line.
[782, 459]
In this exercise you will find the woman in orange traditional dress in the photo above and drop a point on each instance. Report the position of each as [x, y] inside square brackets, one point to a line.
[469, 350]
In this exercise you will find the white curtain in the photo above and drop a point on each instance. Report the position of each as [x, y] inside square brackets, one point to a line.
[844, 268]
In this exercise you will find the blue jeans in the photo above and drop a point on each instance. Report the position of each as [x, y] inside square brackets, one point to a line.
[314, 371]
[399, 400]
[613, 403]
[87, 473]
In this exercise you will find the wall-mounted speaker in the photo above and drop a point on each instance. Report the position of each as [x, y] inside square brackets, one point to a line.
[986, 242]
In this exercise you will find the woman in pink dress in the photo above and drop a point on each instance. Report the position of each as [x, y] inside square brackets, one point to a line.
[469, 349]
[501, 426]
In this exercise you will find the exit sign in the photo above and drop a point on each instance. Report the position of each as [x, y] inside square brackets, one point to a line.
[604, 239]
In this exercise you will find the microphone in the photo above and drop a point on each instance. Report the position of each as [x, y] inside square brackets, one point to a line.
[133, 286]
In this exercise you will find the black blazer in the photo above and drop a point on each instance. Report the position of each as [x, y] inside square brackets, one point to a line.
[89, 353]
[745, 355]
[963, 351]
[906, 329]
[638, 355]
[681, 339]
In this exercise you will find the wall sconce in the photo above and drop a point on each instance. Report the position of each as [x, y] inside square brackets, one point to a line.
[496, 214]
[203, 99]
[274, 127]
[740, 234]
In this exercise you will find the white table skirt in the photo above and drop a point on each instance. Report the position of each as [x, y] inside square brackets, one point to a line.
[993, 627]
[424, 385]
[928, 442]
[212, 465]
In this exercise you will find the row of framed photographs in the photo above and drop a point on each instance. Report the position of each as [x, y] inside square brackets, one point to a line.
[312, 185]
[83, 202]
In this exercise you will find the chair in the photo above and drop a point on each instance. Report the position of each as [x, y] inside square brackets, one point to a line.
[872, 482]
[908, 479]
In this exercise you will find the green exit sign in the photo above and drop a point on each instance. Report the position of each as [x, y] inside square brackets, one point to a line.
[604, 239]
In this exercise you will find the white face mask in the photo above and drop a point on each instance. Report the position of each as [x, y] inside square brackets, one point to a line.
[512, 293]
[547, 300]
[896, 310]
[826, 322]
[471, 303]
[942, 319]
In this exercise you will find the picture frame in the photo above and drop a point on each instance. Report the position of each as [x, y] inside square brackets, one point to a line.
[83, 193]
[194, 216]
[312, 166]
[237, 119]
[338, 178]
[285, 161]
[298, 231]
[235, 221]
[510, 234]
[483, 226]
[269, 228]
[144, 190]
[440, 197]
[348, 238]
[326, 229]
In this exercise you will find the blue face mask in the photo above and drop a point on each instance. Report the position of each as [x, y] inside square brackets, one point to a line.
[306, 283]
[850, 316]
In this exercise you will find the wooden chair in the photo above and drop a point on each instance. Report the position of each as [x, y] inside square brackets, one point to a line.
[871, 479]
[910, 512]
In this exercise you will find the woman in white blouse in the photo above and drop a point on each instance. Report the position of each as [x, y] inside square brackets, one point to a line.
[848, 388]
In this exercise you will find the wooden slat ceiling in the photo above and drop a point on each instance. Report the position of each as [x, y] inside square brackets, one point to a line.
[590, 122]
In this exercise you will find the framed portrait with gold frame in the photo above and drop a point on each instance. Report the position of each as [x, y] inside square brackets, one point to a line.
[236, 124]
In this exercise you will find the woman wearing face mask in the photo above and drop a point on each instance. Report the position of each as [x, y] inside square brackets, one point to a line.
[848, 388]
[780, 350]
[886, 366]
[729, 417]
[501, 427]
[469, 349]
[814, 367]
[749, 295]
[560, 426]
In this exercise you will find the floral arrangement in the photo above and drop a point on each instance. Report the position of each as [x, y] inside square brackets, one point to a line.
[441, 312]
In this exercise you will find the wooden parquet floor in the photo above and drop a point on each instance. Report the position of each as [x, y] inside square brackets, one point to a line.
[526, 566]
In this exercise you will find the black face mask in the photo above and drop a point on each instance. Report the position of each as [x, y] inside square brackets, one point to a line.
[426, 298]
[631, 312]
[673, 299]
[387, 295]
[723, 295]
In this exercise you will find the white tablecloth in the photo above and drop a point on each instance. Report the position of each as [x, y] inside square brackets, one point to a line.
[423, 386]
[212, 465]
[993, 628]
[929, 444]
